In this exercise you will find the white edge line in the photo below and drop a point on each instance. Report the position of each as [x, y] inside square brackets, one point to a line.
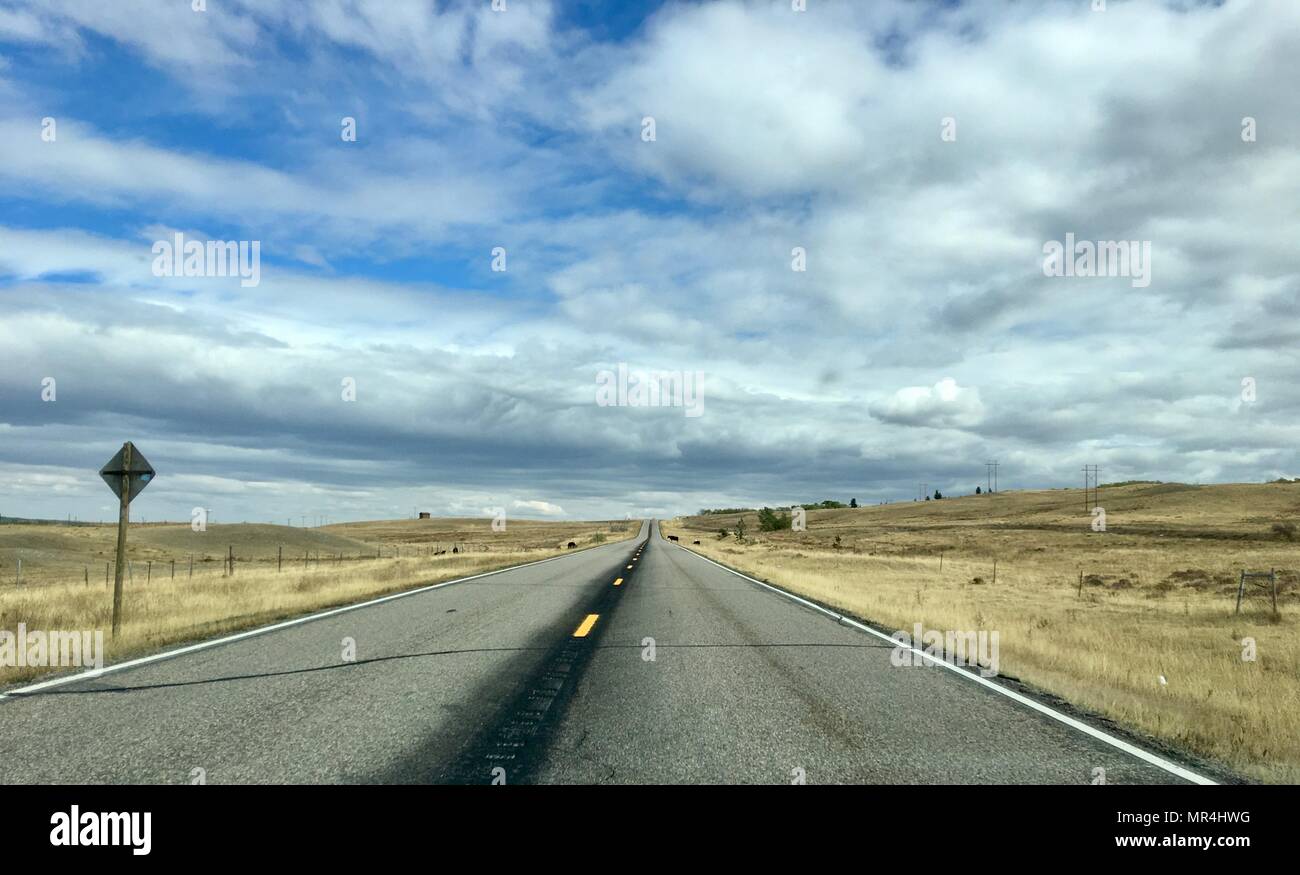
[1119, 743]
[261, 630]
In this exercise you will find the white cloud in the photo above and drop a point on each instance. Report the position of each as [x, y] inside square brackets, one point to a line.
[943, 405]
[543, 507]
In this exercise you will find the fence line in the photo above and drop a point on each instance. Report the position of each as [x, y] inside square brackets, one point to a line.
[25, 573]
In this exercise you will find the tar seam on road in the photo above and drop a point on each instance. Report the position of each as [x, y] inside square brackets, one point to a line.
[222, 679]
[516, 737]
[1118, 743]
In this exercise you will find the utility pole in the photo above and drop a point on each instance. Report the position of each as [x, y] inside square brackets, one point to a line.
[991, 476]
[1091, 475]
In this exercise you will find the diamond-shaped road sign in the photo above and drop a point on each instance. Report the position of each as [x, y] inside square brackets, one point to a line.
[115, 472]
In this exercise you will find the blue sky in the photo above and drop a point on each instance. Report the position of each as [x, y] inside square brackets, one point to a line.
[921, 339]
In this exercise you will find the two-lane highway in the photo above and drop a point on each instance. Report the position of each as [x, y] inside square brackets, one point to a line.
[634, 662]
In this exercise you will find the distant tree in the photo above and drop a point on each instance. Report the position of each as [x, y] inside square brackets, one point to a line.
[740, 529]
[977, 490]
[853, 502]
[927, 498]
[938, 495]
[771, 521]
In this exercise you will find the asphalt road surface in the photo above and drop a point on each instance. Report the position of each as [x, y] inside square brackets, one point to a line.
[686, 674]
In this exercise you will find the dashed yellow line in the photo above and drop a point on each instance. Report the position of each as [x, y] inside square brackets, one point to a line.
[618, 582]
[585, 626]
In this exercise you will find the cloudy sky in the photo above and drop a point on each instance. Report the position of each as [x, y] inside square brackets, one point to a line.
[915, 157]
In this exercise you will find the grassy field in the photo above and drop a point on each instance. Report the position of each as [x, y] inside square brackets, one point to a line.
[55, 553]
[322, 567]
[1157, 598]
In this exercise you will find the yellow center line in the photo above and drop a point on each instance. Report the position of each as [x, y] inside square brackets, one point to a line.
[617, 582]
[582, 630]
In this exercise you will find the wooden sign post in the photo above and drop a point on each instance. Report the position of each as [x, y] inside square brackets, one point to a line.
[127, 474]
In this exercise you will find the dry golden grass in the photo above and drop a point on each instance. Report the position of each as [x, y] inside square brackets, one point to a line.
[1157, 599]
[211, 603]
[57, 553]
